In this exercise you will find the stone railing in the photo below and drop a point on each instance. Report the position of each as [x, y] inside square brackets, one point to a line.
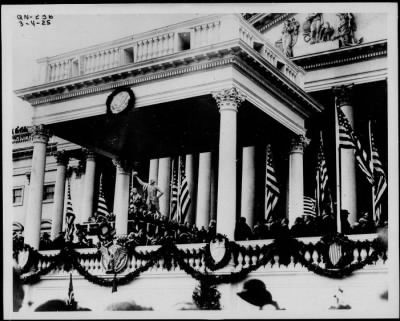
[249, 255]
[198, 33]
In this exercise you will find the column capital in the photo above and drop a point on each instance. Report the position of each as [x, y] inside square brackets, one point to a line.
[40, 134]
[89, 154]
[62, 158]
[229, 99]
[343, 94]
[121, 165]
[298, 143]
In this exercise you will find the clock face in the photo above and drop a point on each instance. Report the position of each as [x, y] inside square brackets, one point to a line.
[119, 102]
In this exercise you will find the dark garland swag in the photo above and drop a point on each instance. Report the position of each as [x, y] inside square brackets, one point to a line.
[287, 249]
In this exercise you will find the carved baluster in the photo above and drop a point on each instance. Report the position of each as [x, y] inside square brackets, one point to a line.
[355, 255]
[276, 259]
[246, 261]
[291, 264]
[307, 256]
[315, 257]
[171, 42]
[254, 259]
[164, 45]
[240, 261]
[363, 254]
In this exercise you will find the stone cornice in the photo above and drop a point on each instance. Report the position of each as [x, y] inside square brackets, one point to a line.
[342, 56]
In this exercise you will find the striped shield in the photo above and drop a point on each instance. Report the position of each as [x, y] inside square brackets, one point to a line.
[217, 250]
[335, 253]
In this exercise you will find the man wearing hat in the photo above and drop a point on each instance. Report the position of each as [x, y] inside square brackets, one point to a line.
[255, 292]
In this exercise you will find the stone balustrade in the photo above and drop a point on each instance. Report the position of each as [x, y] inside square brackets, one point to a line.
[199, 33]
[248, 255]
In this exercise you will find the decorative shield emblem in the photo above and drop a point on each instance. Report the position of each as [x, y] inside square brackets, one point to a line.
[335, 253]
[217, 250]
[23, 257]
[114, 258]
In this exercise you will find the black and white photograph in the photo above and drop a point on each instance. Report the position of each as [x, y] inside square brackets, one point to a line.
[201, 161]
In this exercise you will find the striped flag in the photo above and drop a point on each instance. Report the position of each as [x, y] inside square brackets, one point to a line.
[184, 196]
[323, 196]
[272, 189]
[380, 177]
[69, 218]
[174, 192]
[309, 205]
[102, 209]
[349, 140]
[71, 303]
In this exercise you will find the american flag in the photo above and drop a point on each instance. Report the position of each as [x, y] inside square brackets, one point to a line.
[184, 196]
[309, 205]
[131, 204]
[71, 299]
[349, 140]
[102, 209]
[272, 189]
[174, 191]
[69, 218]
[380, 177]
[322, 192]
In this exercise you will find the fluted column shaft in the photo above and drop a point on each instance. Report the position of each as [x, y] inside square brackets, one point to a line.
[153, 170]
[248, 184]
[121, 197]
[88, 190]
[348, 164]
[59, 193]
[228, 102]
[33, 220]
[191, 215]
[164, 177]
[203, 190]
[296, 180]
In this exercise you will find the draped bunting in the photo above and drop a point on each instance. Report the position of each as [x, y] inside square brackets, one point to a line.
[287, 250]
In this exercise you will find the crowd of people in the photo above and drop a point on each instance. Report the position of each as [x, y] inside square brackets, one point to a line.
[18, 134]
[306, 225]
[147, 227]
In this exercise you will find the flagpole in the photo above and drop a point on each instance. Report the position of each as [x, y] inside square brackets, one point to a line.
[372, 169]
[338, 169]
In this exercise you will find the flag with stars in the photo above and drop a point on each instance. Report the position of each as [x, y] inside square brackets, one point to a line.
[272, 189]
[349, 140]
[69, 217]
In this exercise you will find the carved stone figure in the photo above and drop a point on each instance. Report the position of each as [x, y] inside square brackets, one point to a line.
[346, 29]
[312, 27]
[290, 34]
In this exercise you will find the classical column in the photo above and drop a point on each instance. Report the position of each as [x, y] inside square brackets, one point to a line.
[88, 186]
[40, 137]
[203, 190]
[248, 185]
[348, 165]
[59, 192]
[191, 215]
[153, 171]
[213, 189]
[296, 179]
[228, 101]
[164, 178]
[121, 197]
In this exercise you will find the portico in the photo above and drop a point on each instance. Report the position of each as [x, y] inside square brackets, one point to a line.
[230, 92]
